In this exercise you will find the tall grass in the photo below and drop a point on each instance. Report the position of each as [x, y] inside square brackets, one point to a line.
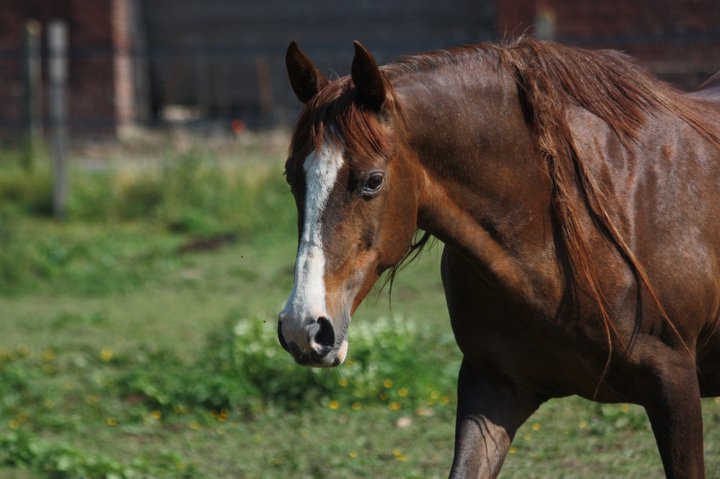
[190, 194]
[187, 192]
[161, 205]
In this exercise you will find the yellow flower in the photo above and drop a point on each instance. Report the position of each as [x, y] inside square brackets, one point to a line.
[512, 450]
[527, 436]
[394, 406]
[48, 355]
[444, 399]
[195, 426]
[388, 383]
[222, 415]
[402, 392]
[399, 456]
[106, 355]
[343, 382]
[625, 408]
[14, 424]
[536, 426]
[111, 421]
[334, 405]
[157, 415]
[356, 406]
[23, 350]
[352, 454]
[583, 425]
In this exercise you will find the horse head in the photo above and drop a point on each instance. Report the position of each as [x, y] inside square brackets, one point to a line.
[356, 196]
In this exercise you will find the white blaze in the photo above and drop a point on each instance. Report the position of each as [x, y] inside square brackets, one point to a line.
[307, 299]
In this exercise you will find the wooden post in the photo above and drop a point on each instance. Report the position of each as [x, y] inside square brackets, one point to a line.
[33, 91]
[265, 97]
[57, 74]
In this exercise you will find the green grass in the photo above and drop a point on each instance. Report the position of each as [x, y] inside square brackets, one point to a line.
[129, 351]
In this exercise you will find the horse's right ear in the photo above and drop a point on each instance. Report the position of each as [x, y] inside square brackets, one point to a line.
[305, 78]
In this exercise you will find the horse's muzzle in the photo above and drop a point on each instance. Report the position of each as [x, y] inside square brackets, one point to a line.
[315, 344]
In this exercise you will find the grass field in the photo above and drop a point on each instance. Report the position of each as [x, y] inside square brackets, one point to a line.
[137, 340]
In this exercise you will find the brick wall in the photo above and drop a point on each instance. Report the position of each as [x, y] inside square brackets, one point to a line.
[100, 81]
[679, 40]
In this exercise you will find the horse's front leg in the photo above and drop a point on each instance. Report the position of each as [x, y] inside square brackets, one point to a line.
[673, 406]
[487, 417]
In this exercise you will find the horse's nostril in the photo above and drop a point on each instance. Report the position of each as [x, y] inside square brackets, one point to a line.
[324, 336]
[281, 338]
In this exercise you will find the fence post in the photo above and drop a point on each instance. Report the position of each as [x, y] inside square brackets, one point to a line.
[57, 74]
[33, 91]
[265, 97]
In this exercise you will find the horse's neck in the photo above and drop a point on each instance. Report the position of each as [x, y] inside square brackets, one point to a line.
[486, 193]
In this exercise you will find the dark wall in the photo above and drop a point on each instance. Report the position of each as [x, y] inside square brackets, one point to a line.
[225, 58]
[679, 40]
[213, 53]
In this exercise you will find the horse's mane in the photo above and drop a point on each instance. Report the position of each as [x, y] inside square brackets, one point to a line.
[551, 79]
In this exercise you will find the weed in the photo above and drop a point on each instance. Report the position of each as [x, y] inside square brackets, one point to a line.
[243, 369]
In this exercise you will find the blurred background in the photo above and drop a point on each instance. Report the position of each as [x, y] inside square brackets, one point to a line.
[148, 237]
[154, 62]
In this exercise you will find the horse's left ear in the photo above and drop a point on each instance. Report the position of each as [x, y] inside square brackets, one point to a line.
[367, 78]
[305, 79]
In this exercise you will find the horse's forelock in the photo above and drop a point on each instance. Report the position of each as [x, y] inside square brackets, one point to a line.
[333, 115]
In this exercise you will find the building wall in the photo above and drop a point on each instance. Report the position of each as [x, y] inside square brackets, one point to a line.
[225, 58]
[100, 80]
[217, 61]
[679, 40]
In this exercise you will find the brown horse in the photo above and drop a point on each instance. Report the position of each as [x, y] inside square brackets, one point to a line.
[578, 201]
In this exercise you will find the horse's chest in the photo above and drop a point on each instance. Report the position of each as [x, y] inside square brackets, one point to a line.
[500, 335]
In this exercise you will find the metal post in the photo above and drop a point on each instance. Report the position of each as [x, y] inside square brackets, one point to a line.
[57, 74]
[33, 91]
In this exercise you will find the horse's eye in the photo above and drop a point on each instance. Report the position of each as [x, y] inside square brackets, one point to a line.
[373, 184]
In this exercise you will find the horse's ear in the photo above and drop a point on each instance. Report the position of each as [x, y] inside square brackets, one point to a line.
[305, 78]
[367, 78]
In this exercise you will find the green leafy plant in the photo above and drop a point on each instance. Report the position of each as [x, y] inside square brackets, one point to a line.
[244, 369]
